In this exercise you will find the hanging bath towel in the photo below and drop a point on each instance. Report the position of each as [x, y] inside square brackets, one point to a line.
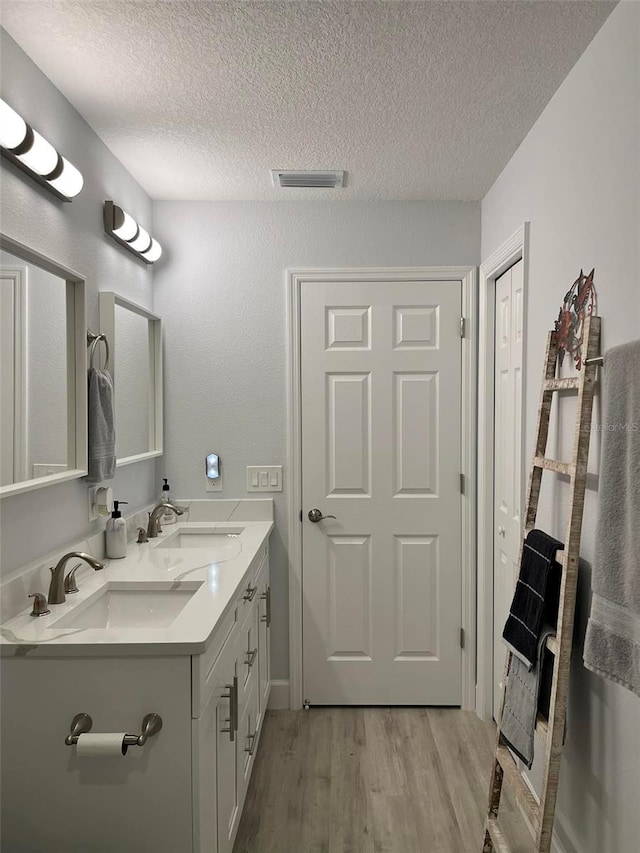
[102, 431]
[612, 643]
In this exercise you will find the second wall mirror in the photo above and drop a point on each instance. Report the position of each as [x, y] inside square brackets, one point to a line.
[135, 338]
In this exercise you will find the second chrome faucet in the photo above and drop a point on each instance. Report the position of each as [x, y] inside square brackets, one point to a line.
[154, 517]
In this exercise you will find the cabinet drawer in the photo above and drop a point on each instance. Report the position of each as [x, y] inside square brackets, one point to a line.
[203, 667]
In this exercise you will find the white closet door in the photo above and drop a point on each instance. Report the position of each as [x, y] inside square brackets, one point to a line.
[381, 433]
[507, 457]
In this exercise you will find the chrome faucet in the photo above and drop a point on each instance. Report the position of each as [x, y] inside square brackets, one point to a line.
[56, 588]
[154, 517]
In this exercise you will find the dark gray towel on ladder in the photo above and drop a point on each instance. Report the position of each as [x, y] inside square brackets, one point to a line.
[102, 432]
[535, 596]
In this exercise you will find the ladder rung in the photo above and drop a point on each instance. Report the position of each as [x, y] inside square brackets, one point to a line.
[496, 835]
[570, 384]
[542, 726]
[552, 644]
[524, 798]
[567, 468]
[500, 843]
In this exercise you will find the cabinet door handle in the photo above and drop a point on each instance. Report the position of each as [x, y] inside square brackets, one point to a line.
[266, 596]
[250, 593]
[232, 719]
[252, 741]
[251, 658]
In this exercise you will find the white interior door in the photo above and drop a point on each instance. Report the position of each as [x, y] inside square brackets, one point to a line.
[507, 458]
[381, 435]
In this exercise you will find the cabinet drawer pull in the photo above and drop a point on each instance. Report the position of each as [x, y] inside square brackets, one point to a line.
[266, 597]
[250, 593]
[252, 741]
[251, 658]
[232, 719]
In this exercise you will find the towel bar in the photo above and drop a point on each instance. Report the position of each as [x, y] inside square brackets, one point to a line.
[598, 360]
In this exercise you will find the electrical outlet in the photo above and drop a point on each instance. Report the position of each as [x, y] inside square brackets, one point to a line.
[264, 478]
[214, 485]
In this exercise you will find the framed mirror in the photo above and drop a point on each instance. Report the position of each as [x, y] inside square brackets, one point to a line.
[135, 338]
[43, 371]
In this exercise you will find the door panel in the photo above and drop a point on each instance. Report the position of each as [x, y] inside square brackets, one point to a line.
[381, 416]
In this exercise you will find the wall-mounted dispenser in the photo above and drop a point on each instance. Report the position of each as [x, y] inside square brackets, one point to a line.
[213, 472]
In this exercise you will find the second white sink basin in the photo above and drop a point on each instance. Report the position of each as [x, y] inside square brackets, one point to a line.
[222, 543]
[131, 607]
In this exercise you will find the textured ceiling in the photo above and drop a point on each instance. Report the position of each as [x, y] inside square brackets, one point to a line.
[416, 100]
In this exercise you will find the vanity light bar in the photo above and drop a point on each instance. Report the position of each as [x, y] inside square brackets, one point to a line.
[31, 153]
[123, 228]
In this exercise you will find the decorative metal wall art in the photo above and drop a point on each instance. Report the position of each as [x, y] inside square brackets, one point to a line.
[580, 301]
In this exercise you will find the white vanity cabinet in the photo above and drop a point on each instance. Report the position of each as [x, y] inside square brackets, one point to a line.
[185, 788]
[227, 728]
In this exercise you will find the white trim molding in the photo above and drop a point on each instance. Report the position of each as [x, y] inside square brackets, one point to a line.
[509, 253]
[468, 278]
[279, 696]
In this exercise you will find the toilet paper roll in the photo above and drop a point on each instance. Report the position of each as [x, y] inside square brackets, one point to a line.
[106, 745]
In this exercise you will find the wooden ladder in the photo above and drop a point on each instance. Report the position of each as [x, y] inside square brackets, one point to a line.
[539, 816]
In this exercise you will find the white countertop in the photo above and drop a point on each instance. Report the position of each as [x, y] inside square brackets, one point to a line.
[149, 567]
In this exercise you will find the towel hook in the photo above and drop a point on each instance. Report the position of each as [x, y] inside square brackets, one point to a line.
[92, 341]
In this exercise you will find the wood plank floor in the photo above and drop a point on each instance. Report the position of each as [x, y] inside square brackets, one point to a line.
[373, 780]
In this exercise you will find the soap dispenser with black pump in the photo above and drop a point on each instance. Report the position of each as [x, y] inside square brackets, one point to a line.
[168, 516]
[116, 534]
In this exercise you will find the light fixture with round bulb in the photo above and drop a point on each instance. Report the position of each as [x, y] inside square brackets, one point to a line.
[33, 154]
[125, 226]
[125, 230]
[13, 128]
[69, 182]
[142, 242]
[154, 252]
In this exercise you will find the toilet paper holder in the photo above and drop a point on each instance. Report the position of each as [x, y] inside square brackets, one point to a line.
[82, 723]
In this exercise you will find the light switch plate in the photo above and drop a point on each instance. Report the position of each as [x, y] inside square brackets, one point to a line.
[264, 478]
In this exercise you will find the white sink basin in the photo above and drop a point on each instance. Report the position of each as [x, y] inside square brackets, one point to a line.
[221, 543]
[131, 607]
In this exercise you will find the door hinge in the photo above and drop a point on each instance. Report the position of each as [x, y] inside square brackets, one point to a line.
[462, 638]
[463, 327]
[462, 484]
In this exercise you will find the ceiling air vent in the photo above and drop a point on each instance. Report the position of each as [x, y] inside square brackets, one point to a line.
[311, 180]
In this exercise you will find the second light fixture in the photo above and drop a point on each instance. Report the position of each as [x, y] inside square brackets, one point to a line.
[123, 228]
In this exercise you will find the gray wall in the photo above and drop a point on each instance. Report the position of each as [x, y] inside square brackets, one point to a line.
[221, 292]
[575, 177]
[73, 235]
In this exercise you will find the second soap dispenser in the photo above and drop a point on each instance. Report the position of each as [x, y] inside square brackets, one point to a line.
[168, 516]
[116, 534]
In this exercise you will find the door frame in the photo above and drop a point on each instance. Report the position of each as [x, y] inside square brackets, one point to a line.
[467, 275]
[510, 252]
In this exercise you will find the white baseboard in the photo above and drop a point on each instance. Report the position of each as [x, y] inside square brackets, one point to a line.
[279, 698]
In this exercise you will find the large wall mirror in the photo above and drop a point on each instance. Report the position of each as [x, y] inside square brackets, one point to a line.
[43, 389]
[135, 338]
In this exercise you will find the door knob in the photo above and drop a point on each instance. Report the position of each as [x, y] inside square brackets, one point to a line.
[501, 531]
[316, 515]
